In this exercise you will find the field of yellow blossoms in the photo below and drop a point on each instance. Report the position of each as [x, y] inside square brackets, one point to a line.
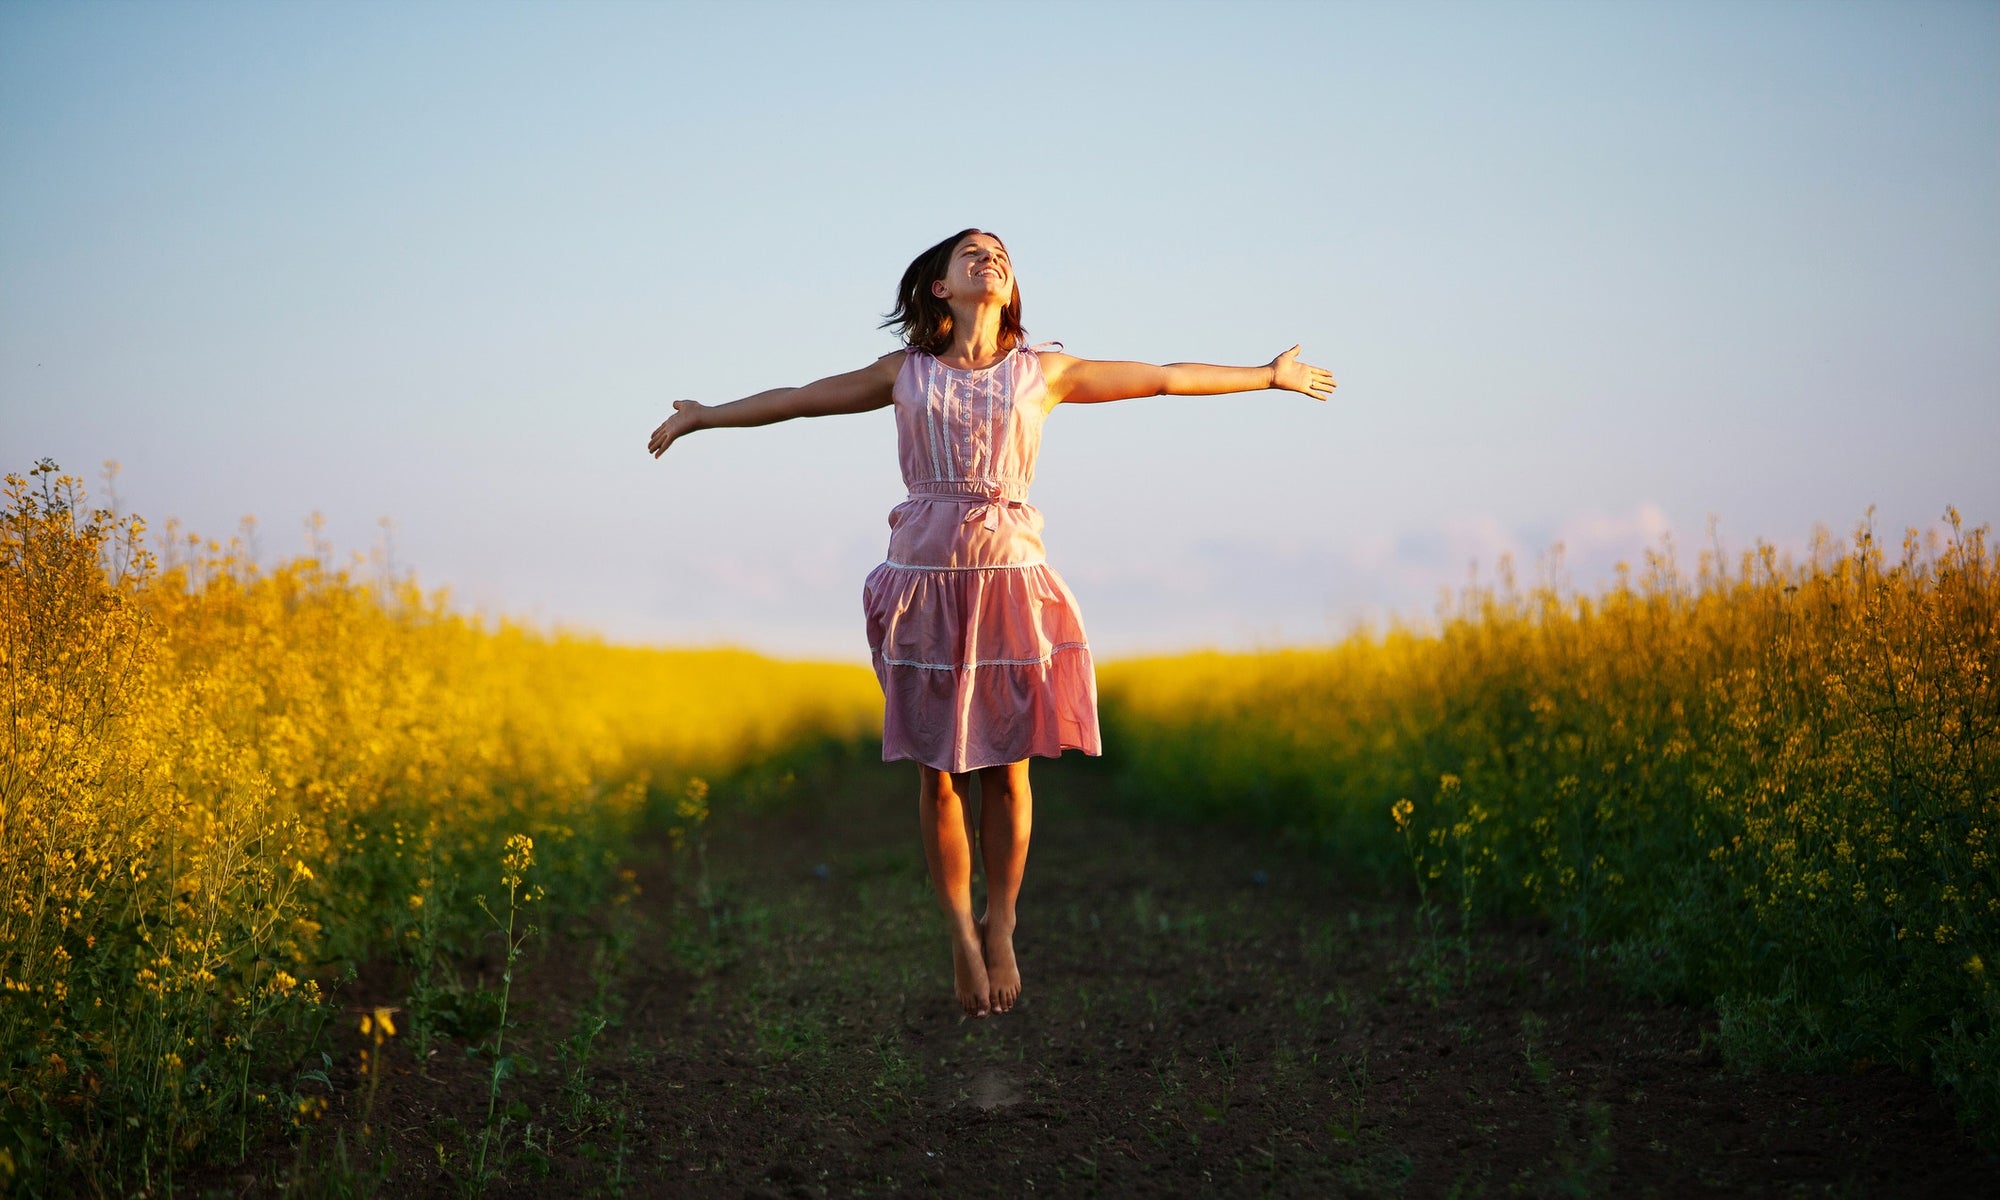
[221, 780]
[1773, 787]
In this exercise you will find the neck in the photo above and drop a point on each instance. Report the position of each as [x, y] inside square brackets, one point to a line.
[975, 334]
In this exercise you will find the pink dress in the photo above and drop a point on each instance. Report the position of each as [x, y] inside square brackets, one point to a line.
[976, 639]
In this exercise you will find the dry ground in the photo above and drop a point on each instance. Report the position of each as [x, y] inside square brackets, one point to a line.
[1207, 1012]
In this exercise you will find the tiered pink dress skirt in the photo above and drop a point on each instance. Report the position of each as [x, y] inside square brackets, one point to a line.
[977, 641]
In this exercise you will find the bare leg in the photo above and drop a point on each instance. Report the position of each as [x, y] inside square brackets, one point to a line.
[1006, 813]
[948, 853]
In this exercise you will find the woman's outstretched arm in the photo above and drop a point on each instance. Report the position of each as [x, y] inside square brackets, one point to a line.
[1086, 381]
[872, 387]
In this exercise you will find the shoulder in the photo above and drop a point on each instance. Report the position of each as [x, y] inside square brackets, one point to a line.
[891, 373]
[1054, 363]
[890, 365]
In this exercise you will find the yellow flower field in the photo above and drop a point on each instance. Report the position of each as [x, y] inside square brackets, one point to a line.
[1774, 787]
[221, 779]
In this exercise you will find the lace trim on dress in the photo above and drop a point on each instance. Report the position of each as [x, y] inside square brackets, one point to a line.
[1040, 562]
[988, 662]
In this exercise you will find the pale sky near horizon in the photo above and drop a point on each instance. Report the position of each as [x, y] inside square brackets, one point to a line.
[1588, 273]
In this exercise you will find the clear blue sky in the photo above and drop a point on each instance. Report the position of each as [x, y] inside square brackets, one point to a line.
[1585, 272]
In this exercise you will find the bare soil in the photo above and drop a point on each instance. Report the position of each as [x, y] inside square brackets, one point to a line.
[1207, 1012]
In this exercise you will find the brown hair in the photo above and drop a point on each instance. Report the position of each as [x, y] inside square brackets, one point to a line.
[924, 321]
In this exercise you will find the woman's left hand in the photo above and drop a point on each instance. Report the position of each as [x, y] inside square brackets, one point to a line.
[1291, 375]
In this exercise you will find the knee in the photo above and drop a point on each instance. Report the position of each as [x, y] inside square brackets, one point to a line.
[1006, 786]
[939, 789]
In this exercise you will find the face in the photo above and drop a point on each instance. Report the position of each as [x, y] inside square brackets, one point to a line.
[979, 269]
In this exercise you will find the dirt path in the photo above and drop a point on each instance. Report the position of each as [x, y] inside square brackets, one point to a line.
[1206, 1013]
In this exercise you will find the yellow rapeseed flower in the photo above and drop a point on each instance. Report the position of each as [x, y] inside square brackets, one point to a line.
[1400, 811]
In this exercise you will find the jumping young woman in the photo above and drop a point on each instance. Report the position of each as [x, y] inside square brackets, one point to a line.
[976, 640]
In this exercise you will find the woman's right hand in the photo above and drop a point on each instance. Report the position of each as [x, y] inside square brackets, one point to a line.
[687, 416]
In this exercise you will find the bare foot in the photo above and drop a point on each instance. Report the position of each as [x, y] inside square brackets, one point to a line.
[968, 974]
[1003, 974]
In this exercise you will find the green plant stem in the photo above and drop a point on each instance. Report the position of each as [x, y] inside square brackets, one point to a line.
[500, 1034]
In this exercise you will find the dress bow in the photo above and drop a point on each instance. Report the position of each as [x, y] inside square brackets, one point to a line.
[987, 511]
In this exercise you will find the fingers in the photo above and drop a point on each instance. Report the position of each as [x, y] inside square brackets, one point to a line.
[1310, 380]
[664, 436]
[1318, 382]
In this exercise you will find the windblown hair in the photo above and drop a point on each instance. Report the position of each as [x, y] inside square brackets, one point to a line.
[924, 321]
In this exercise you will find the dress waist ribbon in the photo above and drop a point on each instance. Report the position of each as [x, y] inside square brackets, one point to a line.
[984, 497]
